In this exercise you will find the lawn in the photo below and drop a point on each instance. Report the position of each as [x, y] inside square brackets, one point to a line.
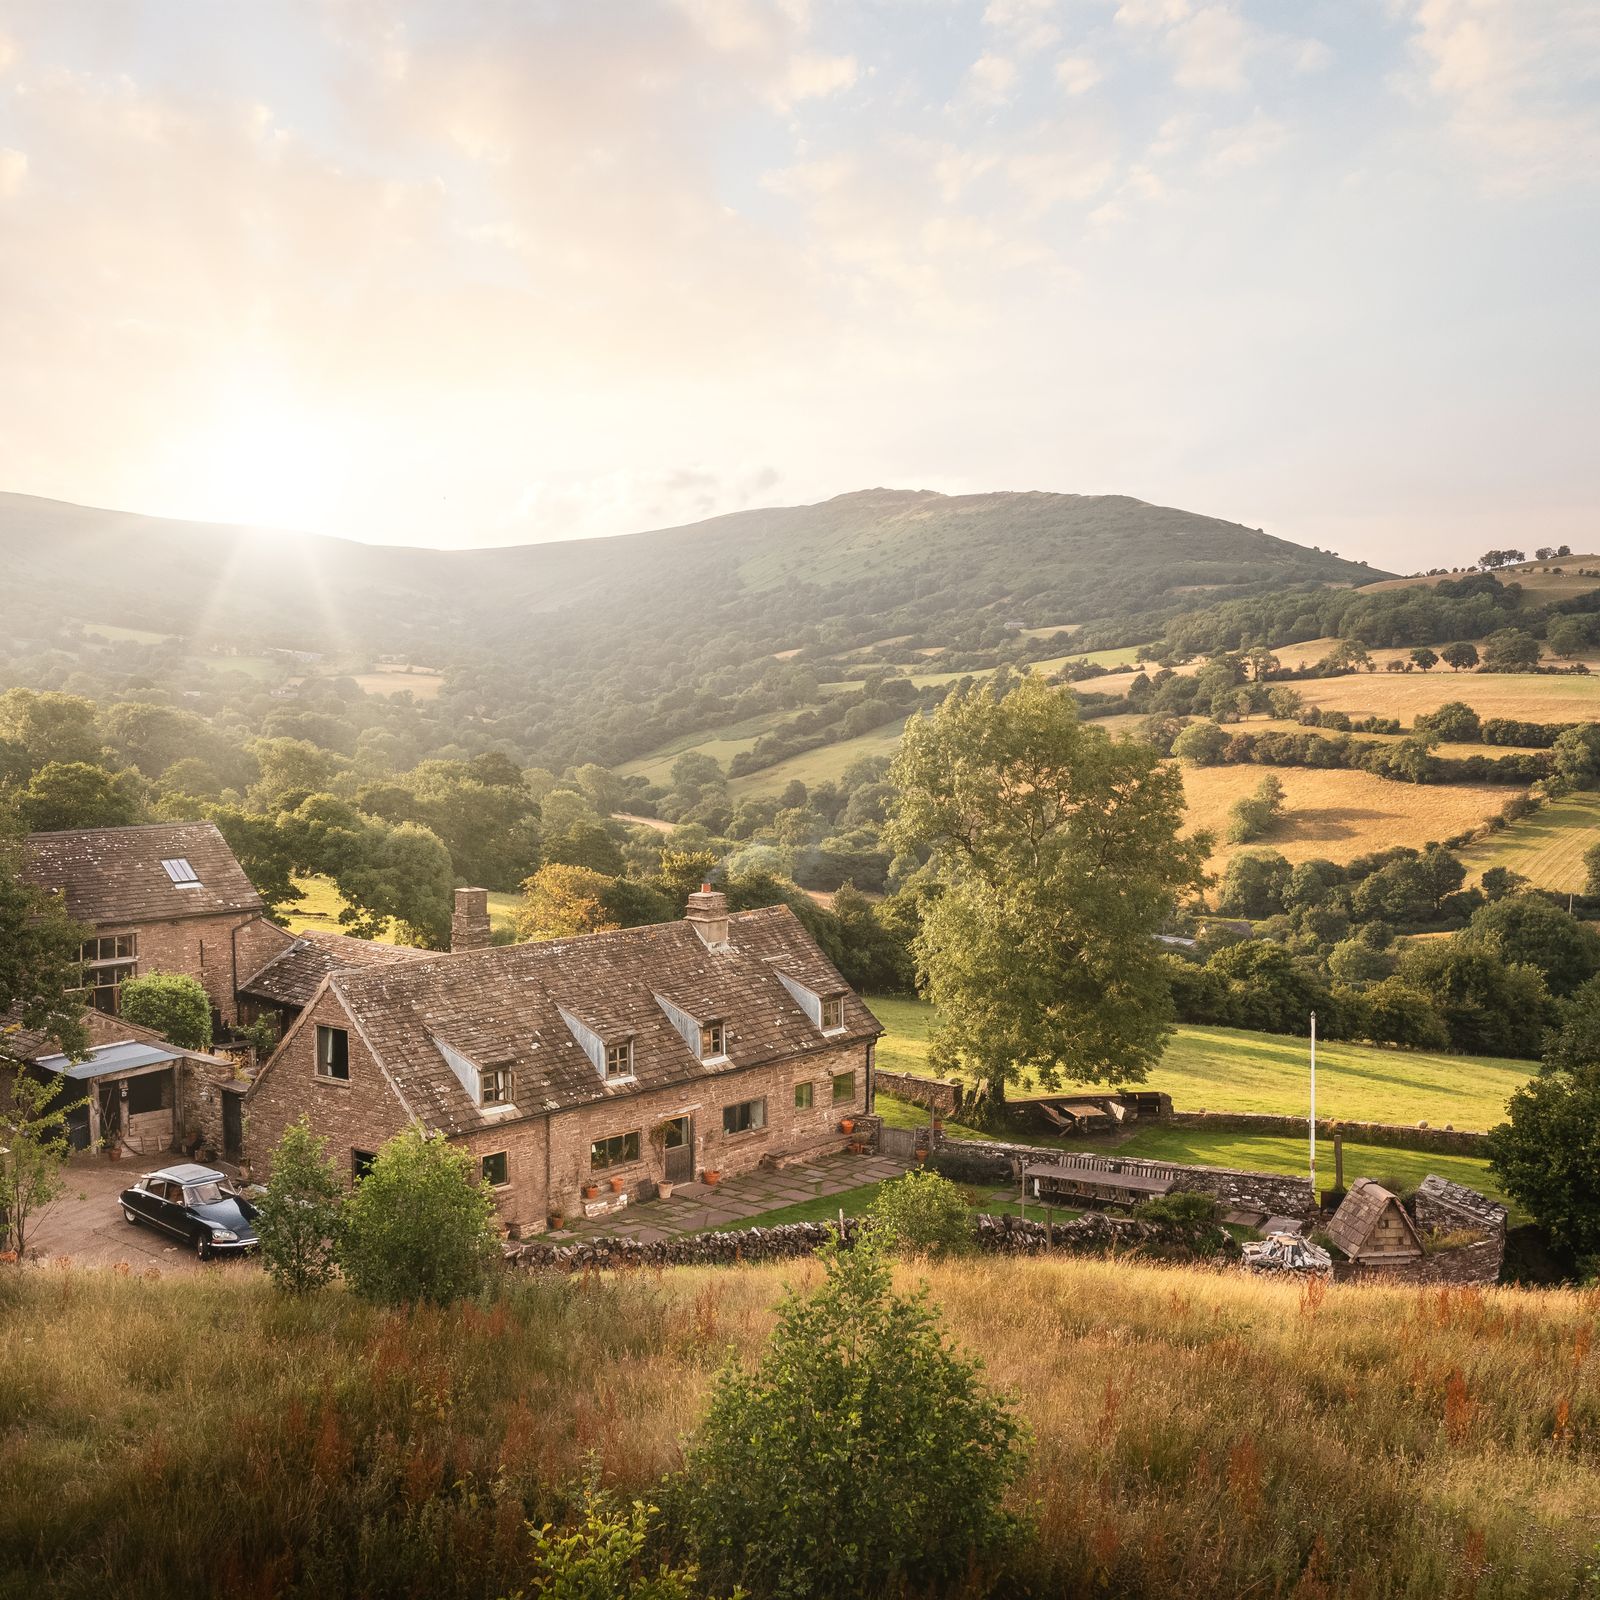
[858, 1201]
[319, 909]
[1546, 848]
[1228, 1069]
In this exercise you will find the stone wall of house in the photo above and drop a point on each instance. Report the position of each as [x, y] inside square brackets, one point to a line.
[1475, 1263]
[1397, 1135]
[203, 948]
[536, 1190]
[358, 1115]
[943, 1095]
[1271, 1192]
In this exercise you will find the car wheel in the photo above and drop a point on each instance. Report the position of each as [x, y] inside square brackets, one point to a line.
[202, 1246]
[130, 1216]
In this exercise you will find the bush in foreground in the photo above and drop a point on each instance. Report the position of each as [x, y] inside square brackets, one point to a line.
[864, 1456]
[420, 1225]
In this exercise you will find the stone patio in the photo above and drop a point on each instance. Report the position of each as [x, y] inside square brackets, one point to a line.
[735, 1202]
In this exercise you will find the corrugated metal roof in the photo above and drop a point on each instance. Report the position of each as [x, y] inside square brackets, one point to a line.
[109, 1059]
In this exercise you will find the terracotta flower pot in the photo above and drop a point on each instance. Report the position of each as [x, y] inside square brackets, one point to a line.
[590, 1190]
[616, 1186]
[711, 1176]
[557, 1222]
[847, 1126]
[663, 1191]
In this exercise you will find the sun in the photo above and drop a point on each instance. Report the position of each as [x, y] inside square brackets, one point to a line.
[269, 465]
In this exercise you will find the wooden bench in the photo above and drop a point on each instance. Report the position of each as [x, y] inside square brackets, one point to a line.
[1096, 1183]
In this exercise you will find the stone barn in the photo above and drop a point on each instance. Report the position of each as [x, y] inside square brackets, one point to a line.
[1372, 1227]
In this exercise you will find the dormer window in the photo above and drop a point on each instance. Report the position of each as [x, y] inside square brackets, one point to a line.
[495, 1087]
[826, 1011]
[707, 1037]
[833, 1014]
[713, 1040]
[619, 1059]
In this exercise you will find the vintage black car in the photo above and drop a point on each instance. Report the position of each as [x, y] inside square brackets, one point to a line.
[196, 1205]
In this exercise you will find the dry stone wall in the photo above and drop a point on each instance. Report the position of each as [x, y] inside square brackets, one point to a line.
[943, 1095]
[1396, 1135]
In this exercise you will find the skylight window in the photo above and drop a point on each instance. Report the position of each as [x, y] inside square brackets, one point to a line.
[182, 874]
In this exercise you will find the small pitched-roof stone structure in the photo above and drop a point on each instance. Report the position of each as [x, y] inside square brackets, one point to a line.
[291, 978]
[1371, 1225]
[158, 872]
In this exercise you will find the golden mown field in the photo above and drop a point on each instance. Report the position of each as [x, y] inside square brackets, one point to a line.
[1338, 815]
[1526, 696]
[1546, 848]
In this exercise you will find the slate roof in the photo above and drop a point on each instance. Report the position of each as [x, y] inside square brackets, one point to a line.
[293, 976]
[114, 875]
[501, 1007]
[1352, 1225]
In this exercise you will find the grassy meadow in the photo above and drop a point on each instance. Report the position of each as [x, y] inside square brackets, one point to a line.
[1525, 696]
[318, 910]
[1337, 814]
[1194, 1434]
[1229, 1069]
[1546, 848]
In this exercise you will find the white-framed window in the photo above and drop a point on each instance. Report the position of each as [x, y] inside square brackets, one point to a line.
[333, 1053]
[617, 1151]
[496, 1170]
[619, 1059]
[744, 1117]
[183, 876]
[495, 1086]
[804, 1095]
[833, 1014]
[713, 1040]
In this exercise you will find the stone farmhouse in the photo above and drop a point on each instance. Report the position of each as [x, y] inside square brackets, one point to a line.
[584, 1072]
[167, 897]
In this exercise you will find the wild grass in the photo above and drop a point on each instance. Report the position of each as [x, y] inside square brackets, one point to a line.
[1228, 1069]
[1195, 1434]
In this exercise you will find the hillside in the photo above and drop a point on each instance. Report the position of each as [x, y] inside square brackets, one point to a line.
[1195, 1433]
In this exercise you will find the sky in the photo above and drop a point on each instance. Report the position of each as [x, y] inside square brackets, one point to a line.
[496, 271]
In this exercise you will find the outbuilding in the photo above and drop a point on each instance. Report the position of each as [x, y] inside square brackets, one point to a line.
[1373, 1227]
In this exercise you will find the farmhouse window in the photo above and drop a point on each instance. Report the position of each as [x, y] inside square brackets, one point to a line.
[745, 1117]
[496, 1086]
[619, 1059]
[617, 1151]
[496, 1172]
[108, 963]
[833, 1014]
[333, 1053]
[713, 1040]
[844, 1087]
[803, 1095]
[361, 1163]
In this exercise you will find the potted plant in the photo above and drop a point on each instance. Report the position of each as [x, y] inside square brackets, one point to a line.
[590, 1190]
[712, 1176]
[663, 1190]
[848, 1125]
[616, 1186]
[557, 1221]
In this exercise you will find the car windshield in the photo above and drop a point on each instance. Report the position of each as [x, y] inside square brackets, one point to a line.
[203, 1194]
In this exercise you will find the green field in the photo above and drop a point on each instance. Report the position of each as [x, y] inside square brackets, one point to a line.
[106, 630]
[724, 745]
[1546, 848]
[319, 910]
[1226, 1069]
[1252, 1152]
[822, 765]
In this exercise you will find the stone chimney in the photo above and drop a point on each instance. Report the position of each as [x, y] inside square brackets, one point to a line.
[469, 927]
[708, 916]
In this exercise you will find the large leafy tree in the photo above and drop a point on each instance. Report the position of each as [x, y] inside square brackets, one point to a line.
[1529, 928]
[1061, 854]
[1547, 1153]
[74, 794]
[300, 1216]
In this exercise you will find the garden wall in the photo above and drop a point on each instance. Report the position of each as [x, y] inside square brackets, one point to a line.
[1477, 1263]
[943, 1095]
[1396, 1135]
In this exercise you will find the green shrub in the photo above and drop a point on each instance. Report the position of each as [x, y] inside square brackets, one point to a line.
[923, 1214]
[298, 1219]
[604, 1557]
[865, 1456]
[172, 1004]
[1188, 1224]
[420, 1225]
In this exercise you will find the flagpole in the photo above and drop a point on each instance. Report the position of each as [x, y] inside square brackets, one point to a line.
[1313, 1106]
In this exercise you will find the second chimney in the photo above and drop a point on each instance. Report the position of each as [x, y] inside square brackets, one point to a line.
[707, 914]
[469, 926]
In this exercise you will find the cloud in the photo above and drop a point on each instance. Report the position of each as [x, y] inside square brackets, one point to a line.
[1078, 74]
[1210, 49]
[1030, 25]
[812, 77]
[1310, 56]
[991, 78]
[8, 51]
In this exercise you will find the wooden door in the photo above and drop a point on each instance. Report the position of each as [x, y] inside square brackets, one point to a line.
[680, 1150]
